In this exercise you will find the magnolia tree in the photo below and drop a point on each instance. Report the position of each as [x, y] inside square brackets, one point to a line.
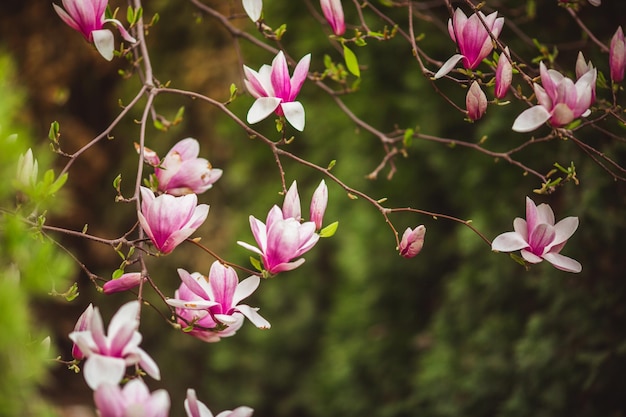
[562, 100]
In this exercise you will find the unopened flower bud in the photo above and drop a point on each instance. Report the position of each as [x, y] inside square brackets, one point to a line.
[27, 169]
[617, 56]
[333, 12]
[476, 102]
[412, 241]
[504, 74]
[123, 283]
[318, 205]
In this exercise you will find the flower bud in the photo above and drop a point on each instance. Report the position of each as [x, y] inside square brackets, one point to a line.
[504, 74]
[617, 56]
[476, 102]
[318, 205]
[412, 241]
[82, 325]
[123, 283]
[27, 169]
[333, 12]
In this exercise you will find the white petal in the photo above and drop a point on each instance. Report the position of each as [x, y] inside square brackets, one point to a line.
[508, 242]
[448, 65]
[253, 316]
[104, 41]
[100, 369]
[253, 9]
[531, 119]
[294, 113]
[245, 288]
[262, 108]
[563, 262]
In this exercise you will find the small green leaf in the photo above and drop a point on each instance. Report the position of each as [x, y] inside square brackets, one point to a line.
[179, 115]
[351, 61]
[256, 263]
[160, 126]
[130, 15]
[117, 181]
[117, 273]
[233, 92]
[408, 138]
[53, 133]
[72, 293]
[56, 186]
[329, 230]
[331, 165]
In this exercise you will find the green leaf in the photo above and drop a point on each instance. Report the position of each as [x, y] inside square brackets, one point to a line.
[179, 115]
[233, 92]
[256, 263]
[117, 181]
[72, 293]
[53, 133]
[408, 138]
[117, 273]
[130, 15]
[56, 186]
[329, 230]
[351, 61]
[331, 165]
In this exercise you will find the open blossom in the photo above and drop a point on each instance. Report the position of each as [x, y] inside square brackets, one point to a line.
[212, 303]
[182, 172]
[412, 241]
[476, 102]
[504, 74]
[333, 12]
[134, 399]
[169, 220]
[195, 408]
[560, 100]
[539, 238]
[281, 240]
[108, 355]
[617, 56]
[123, 283]
[276, 92]
[87, 17]
[473, 40]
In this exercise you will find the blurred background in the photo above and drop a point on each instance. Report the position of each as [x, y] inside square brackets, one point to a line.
[357, 330]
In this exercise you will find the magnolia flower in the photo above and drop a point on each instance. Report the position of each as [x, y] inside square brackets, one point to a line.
[473, 40]
[123, 283]
[476, 102]
[276, 92]
[333, 12]
[253, 9]
[617, 56]
[504, 74]
[27, 169]
[539, 238]
[291, 204]
[560, 100]
[195, 408]
[82, 324]
[280, 240]
[169, 220]
[87, 17]
[108, 355]
[182, 172]
[412, 241]
[213, 303]
[132, 400]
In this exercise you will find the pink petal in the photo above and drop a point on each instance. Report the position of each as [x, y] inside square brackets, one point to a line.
[563, 262]
[299, 76]
[508, 242]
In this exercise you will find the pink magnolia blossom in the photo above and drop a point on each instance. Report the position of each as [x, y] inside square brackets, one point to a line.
[280, 240]
[472, 38]
[109, 354]
[319, 201]
[123, 283]
[169, 220]
[560, 100]
[276, 92]
[504, 74]
[475, 102]
[87, 17]
[412, 241]
[213, 303]
[333, 12]
[82, 324]
[539, 238]
[182, 172]
[195, 408]
[617, 56]
[253, 9]
[134, 399]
